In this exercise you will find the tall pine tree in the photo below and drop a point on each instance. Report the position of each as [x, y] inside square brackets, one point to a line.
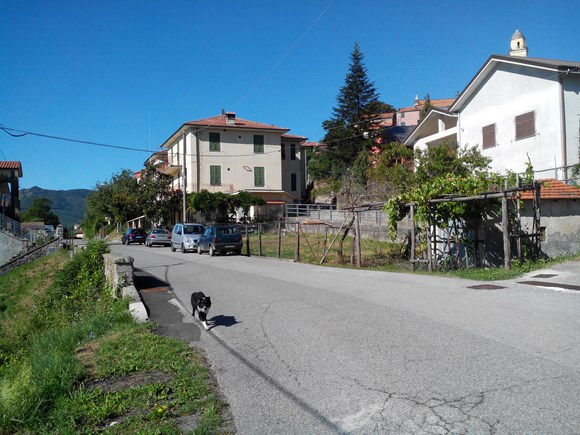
[347, 131]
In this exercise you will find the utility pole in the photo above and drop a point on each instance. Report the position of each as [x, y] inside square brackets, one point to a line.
[184, 179]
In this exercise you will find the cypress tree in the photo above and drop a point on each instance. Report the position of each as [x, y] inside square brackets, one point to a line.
[347, 137]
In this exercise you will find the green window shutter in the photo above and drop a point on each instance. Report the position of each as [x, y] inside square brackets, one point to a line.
[259, 180]
[215, 175]
[214, 142]
[259, 144]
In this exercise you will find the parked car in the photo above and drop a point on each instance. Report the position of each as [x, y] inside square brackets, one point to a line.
[220, 239]
[158, 236]
[185, 236]
[134, 235]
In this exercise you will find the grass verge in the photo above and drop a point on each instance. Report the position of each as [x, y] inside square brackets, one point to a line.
[78, 363]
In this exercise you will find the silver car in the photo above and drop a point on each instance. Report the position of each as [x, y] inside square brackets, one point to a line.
[186, 236]
[158, 236]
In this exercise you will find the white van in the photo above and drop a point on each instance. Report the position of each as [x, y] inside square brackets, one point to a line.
[186, 236]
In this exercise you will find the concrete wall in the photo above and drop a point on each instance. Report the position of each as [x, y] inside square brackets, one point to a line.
[10, 247]
[373, 224]
[560, 222]
[31, 255]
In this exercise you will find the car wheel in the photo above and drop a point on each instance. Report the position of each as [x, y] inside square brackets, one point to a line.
[238, 252]
[199, 249]
[211, 250]
[183, 248]
[172, 248]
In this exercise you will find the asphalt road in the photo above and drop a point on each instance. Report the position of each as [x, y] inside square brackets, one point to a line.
[305, 349]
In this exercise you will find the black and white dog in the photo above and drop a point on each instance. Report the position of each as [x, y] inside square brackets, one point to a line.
[200, 303]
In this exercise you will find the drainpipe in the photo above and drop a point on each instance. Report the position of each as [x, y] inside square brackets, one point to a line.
[563, 127]
[198, 163]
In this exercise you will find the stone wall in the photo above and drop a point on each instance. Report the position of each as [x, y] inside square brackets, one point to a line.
[119, 275]
[31, 255]
[118, 272]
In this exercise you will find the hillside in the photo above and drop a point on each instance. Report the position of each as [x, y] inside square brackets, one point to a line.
[69, 205]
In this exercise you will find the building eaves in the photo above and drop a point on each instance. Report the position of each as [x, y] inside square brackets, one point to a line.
[433, 112]
[489, 66]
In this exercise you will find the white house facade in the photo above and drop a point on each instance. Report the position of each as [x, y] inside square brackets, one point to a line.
[229, 154]
[516, 109]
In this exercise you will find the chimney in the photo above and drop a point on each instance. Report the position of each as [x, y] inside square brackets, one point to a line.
[231, 118]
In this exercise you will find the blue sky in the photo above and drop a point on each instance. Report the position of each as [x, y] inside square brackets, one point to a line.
[129, 73]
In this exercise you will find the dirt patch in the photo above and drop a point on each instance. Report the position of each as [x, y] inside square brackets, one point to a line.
[121, 383]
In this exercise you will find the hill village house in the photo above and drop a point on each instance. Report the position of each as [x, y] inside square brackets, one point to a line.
[228, 154]
[515, 110]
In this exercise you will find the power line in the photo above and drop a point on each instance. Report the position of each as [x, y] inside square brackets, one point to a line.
[22, 133]
[48, 136]
[290, 50]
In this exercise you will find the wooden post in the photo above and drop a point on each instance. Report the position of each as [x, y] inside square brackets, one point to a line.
[413, 237]
[297, 251]
[536, 228]
[428, 240]
[279, 238]
[260, 239]
[505, 232]
[357, 240]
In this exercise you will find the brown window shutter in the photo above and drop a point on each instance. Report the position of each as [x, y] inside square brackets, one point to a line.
[488, 136]
[525, 125]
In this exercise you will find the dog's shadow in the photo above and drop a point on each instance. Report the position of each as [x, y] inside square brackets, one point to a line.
[222, 320]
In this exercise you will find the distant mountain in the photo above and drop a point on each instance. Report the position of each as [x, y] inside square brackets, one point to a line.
[68, 205]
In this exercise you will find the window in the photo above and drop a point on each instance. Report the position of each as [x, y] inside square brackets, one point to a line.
[293, 152]
[403, 124]
[259, 176]
[525, 125]
[215, 175]
[214, 142]
[259, 143]
[293, 182]
[283, 151]
[488, 133]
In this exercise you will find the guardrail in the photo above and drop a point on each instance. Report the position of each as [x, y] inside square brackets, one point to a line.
[12, 226]
[311, 210]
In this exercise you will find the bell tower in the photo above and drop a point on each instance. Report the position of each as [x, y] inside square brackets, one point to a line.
[518, 45]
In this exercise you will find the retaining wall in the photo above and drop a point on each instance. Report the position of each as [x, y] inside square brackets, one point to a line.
[31, 255]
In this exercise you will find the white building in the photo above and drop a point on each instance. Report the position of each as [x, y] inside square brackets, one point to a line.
[514, 109]
[229, 154]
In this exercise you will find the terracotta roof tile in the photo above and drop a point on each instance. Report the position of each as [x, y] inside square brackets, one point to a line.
[222, 121]
[7, 164]
[554, 189]
[441, 103]
[11, 165]
[293, 136]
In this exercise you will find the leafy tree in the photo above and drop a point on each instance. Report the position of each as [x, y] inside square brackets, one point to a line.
[156, 195]
[448, 158]
[222, 203]
[40, 211]
[114, 201]
[443, 170]
[347, 131]
[393, 167]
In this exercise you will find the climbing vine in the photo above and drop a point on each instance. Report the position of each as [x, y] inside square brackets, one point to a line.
[444, 212]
